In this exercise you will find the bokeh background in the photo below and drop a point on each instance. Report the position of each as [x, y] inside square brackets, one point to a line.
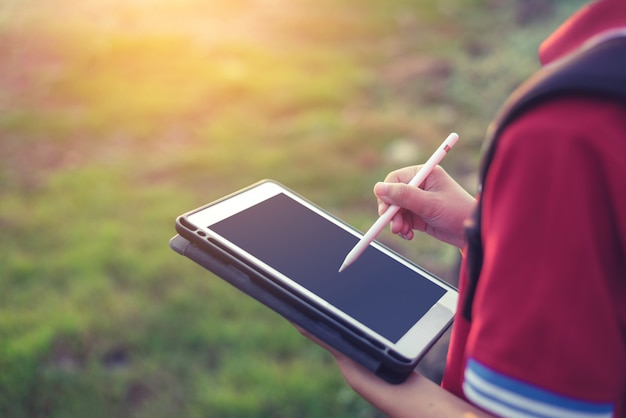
[118, 115]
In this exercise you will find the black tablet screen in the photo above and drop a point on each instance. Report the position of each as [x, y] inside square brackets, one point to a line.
[376, 290]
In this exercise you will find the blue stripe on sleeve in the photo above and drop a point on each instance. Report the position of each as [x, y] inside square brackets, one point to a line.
[510, 397]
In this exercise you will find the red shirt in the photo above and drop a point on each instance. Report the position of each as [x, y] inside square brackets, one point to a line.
[548, 330]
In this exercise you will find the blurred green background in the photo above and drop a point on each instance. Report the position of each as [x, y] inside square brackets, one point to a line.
[118, 115]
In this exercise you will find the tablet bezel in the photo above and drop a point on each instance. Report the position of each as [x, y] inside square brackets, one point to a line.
[411, 345]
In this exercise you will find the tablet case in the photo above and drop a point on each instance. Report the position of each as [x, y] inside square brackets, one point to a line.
[385, 363]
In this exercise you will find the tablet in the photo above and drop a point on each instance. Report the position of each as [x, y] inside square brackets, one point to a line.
[298, 247]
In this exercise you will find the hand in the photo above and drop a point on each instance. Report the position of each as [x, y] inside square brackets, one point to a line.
[392, 400]
[439, 207]
[417, 396]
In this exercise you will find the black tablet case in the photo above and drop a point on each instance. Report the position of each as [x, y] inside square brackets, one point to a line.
[385, 363]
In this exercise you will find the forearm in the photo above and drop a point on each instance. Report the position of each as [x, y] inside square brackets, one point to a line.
[417, 397]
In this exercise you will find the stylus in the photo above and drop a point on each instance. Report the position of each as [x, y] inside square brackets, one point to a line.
[386, 217]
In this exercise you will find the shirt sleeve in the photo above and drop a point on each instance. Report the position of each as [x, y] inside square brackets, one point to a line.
[547, 337]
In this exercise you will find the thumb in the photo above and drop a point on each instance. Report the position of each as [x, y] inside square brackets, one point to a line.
[408, 197]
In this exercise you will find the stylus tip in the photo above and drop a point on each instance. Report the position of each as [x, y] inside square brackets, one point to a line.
[343, 266]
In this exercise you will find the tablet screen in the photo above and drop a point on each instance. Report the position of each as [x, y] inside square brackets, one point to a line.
[376, 290]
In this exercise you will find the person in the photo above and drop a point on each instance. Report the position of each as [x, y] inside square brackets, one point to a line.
[547, 332]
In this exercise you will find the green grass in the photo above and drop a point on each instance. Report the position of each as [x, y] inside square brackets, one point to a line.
[117, 116]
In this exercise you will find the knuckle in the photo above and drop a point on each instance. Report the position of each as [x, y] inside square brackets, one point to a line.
[402, 194]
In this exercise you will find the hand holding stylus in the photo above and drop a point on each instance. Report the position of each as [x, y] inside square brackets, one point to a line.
[386, 217]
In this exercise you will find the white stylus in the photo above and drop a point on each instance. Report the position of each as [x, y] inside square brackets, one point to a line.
[385, 218]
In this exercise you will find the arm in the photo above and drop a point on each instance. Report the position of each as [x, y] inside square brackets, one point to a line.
[548, 315]
[438, 207]
[416, 397]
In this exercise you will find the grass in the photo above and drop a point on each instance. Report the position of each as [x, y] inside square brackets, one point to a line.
[116, 116]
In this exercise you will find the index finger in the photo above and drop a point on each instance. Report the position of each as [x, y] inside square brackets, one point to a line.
[403, 175]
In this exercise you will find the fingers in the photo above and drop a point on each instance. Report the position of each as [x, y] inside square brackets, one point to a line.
[403, 175]
[415, 203]
[399, 194]
[381, 189]
[402, 223]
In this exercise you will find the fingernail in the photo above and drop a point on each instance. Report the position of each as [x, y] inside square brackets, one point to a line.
[381, 188]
